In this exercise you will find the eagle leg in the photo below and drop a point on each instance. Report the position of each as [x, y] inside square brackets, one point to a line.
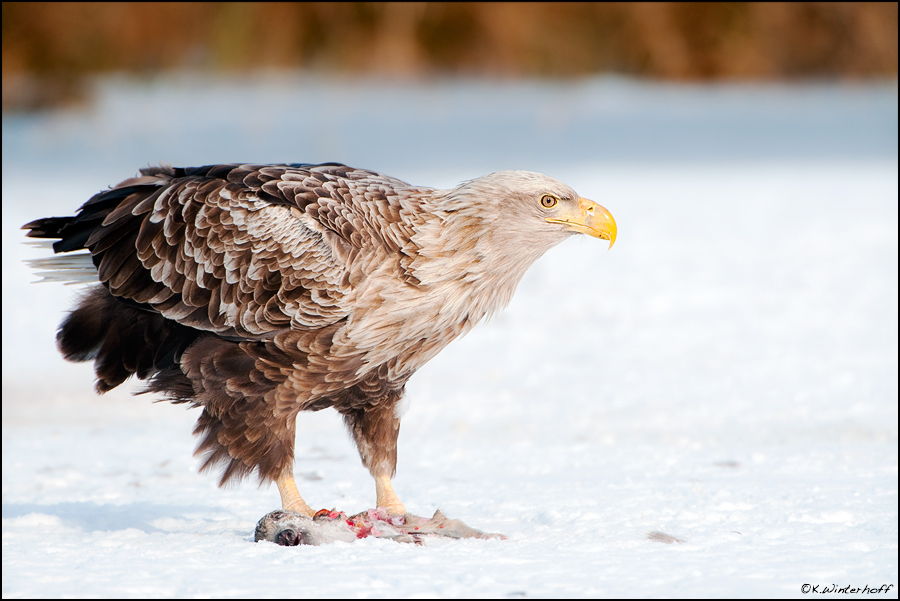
[290, 496]
[375, 428]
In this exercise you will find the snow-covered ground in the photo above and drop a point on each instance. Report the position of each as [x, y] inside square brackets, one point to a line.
[725, 375]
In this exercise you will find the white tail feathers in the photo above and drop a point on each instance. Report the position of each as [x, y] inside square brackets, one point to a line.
[68, 269]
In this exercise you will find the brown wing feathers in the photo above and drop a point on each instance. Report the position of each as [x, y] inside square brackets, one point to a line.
[200, 267]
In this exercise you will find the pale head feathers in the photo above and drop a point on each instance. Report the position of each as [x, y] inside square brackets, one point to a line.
[484, 234]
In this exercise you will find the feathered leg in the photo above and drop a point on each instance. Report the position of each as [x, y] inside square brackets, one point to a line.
[245, 424]
[375, 429]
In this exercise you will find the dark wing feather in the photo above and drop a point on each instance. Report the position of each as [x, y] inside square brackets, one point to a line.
[239, 250]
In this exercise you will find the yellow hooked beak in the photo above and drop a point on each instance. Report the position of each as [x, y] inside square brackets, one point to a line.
[589, 218]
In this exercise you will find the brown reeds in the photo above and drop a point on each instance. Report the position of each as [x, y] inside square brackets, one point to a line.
[61, 42]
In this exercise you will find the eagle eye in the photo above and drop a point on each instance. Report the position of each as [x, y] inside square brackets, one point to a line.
[548, 201]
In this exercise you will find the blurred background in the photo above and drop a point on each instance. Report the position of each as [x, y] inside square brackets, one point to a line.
[49, 47]
[424, 87]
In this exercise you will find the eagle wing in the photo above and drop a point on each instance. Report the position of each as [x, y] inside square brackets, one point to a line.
[244, 251]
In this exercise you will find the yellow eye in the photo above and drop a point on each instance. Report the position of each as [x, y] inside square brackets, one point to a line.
[548, 201]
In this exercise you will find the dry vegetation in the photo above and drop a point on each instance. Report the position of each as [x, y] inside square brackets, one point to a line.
[55, 44]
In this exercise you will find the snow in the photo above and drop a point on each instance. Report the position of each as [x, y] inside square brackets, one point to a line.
[725, 376]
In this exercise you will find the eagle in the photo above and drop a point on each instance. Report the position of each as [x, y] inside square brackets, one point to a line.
[256, 292]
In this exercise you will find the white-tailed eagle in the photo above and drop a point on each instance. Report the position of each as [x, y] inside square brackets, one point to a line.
[260, 291]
